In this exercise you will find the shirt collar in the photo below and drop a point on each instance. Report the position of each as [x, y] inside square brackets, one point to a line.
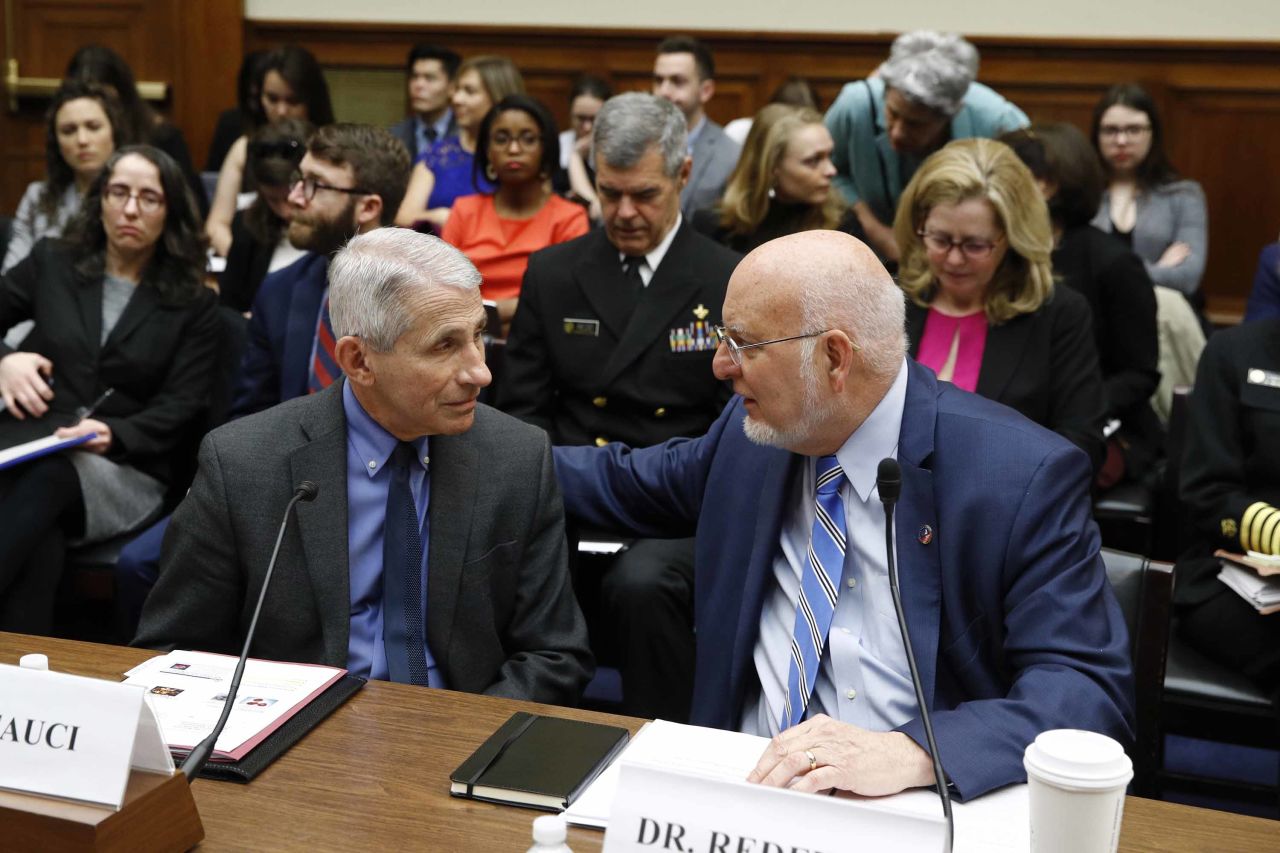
[875, 439]
[440, 125]
[659, 251]
[371, 442]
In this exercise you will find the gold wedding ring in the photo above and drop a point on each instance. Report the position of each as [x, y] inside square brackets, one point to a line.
[813, 759]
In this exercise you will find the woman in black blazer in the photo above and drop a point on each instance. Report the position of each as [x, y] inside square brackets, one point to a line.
[123, 322]
[983, 312]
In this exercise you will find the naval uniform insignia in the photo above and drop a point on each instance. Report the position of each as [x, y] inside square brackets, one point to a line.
[581, 326]
[925, 536]
[1229, 528]
[1267, 378]
[701, 311]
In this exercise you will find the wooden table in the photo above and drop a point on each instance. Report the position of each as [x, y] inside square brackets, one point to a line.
[375, 775]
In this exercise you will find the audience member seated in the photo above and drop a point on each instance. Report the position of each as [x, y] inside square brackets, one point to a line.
[259, 233]
[430, 72]
[349, 182]
[124, 351]
[444, 171]
[585, 100]
[292, 86]
[80, 134]
[781, 185]
[1264, 298]
[516, 148]
[983, 312]
[920, 98]
[106, 68]
[409, 465]
[684, 73]
[795, 91]
[1161, 216]
[612, 341]
[1012, 619]
[1231, 490]
[245, 117]
[1113, 280]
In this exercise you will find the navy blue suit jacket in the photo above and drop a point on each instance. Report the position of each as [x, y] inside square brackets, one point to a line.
[282, 331]
[1011, 617]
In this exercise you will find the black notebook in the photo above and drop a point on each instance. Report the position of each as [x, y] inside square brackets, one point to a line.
[537, 761]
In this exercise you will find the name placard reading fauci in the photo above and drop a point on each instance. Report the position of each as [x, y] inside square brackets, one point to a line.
[672, 811]
[75, 738]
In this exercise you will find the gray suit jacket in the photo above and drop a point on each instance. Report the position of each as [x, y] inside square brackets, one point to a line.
[1170, 213]
[501, 614]
[714, 156]
[406, 132]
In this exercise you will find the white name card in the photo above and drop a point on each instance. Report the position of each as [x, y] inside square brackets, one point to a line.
[75, 738]
[659, 809]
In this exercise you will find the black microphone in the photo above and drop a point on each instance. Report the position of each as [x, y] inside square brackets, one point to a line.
[889, 485]
[199, 756]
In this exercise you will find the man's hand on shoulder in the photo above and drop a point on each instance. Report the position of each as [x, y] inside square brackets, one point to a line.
[822, 753]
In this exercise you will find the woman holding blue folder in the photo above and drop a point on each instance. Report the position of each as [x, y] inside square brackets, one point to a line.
[123, 324]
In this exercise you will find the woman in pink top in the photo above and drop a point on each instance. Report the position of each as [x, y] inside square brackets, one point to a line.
[975, 241]
[518, 150]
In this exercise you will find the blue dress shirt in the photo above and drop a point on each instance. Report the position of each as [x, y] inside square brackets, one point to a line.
[369, 447]
[863, 678]
[440, 126]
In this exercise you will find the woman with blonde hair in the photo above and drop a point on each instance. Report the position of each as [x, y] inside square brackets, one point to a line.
[781, 185]
[975, 240]
[444, 172]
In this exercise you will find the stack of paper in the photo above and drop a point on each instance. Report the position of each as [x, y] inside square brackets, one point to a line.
[1262, 593]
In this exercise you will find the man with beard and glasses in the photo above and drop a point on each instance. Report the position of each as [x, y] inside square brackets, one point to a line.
[1014, 626]
[350, 181]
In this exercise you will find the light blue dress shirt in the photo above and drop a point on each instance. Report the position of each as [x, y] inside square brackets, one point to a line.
[863, 678]
[440, 125]
[369, 447]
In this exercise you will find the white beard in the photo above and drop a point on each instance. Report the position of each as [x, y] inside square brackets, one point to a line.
[802, 429]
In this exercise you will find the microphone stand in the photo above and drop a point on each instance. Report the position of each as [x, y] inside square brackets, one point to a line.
[889, 484]
[199, 756]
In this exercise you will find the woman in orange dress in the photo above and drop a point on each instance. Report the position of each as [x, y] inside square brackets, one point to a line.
[518, 150]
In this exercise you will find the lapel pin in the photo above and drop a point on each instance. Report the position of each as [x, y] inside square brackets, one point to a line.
[701, 311]
[925, 536]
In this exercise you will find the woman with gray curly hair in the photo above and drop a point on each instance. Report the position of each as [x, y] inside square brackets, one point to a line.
[922, 97]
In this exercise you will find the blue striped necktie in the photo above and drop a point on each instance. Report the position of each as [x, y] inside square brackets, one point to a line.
[819, 586]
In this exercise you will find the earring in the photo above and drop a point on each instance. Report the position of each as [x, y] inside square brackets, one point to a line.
[772, 193]
[491, 173]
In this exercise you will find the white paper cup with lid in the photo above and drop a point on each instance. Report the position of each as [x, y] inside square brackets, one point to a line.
[1076, 782]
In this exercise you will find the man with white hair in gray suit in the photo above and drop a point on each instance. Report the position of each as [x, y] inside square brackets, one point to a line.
[922, 97]
[434, 553]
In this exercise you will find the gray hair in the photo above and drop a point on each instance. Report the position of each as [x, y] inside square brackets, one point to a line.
[374, 277]
[931, 68]
[628, 125]
[871, 309]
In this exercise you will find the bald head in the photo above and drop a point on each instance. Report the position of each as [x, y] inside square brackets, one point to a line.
[832, 319]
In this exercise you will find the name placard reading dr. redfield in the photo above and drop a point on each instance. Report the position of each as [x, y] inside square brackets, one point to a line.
[666, 810]
[72, 737]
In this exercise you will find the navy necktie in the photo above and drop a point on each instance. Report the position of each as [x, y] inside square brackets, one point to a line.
[631, 272]
[403, 632]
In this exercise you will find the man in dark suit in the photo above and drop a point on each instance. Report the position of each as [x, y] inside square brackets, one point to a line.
[684, 73]
[1013, 624]
[612, 341]
[429, 71]
[414, 563]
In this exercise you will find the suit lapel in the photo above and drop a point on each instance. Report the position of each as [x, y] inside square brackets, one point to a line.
[322, 523]
[89, 303]
[919, 564]
[701, 160]
[141, 304]
[667, 293]
[454, 469]
[600, 277]
[1002, 354]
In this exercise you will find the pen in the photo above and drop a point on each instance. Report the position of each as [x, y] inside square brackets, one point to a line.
[82, 413]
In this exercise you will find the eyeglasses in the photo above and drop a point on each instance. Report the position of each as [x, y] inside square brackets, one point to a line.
[118, 195]
[942, 244]
[735, 348]
[310, 185]
[526, 139]
[1130, 131]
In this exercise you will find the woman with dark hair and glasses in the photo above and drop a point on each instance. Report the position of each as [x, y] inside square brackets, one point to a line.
[291, 85]
[123, 354]
[516, 149]
[259, 242]
[1159, 215]
[975, 240]
[101, 65]
[1115, 283]
[82, 127]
